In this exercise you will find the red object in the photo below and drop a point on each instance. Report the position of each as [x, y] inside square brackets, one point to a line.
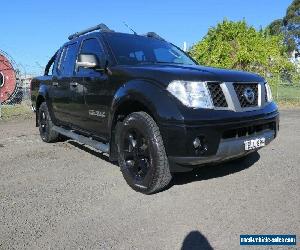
[8, 79]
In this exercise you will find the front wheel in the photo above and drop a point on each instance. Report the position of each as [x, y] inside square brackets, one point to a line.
[142, 157]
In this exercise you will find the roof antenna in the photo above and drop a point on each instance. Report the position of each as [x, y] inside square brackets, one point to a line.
[129, 28]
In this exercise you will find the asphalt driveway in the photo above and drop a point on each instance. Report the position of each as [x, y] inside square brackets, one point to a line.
[66, 195]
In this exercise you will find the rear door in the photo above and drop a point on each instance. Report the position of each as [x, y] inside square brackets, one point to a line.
[59, 89]
[61, 84]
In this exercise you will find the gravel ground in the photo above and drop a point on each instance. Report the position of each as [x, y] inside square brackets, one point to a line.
[66, 196]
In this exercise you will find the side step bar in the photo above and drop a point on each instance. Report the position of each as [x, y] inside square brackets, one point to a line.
[83, 139]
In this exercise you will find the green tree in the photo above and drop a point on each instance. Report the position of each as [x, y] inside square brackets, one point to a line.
[239, 46]
[289, 27]
[291, 23]
[276, 27]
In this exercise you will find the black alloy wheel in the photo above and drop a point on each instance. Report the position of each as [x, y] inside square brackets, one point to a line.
[46, 125]
[142, 156]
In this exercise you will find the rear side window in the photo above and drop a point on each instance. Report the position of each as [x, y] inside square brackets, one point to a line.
[60, 60]
[67, 60]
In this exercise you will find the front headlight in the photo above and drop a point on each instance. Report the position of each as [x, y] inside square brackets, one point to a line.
[269, 92]
[191, 94]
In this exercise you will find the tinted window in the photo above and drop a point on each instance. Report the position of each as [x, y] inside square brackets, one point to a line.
[68, 60]
[91, 46]
[137, 56]
[132, 49]
[60, 60]
[51, 69]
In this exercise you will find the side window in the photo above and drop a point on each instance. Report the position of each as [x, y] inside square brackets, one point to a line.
[68, 59]
[139, 56]
[60, 60]
[91, 46]
[51, 69]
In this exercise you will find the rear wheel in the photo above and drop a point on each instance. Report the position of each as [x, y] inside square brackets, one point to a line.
[142, 156]
[46, 125]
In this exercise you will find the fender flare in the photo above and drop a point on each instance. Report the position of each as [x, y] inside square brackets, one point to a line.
[43, 92]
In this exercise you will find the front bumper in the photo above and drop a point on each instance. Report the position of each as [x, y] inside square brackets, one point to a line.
[228, 149]
[224, 139]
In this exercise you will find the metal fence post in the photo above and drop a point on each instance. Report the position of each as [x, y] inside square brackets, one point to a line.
[277, 85]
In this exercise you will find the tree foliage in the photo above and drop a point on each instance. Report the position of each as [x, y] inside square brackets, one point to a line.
[276, 27]
[239, 46]
[289, 27]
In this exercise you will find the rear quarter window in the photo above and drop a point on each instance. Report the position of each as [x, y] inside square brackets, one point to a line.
[60, 60]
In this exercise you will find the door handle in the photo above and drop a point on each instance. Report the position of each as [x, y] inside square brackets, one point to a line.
[74, 84]
[55, 84]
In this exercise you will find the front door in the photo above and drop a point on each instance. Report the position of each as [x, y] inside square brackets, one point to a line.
[95, 86]
[97, 101]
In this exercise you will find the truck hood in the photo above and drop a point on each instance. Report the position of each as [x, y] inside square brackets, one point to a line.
[165, 73]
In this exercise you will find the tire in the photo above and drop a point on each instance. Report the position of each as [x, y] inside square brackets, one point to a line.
[46, 125]
[141, 154]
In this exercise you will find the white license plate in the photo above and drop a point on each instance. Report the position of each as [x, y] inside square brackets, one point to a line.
[255, 143]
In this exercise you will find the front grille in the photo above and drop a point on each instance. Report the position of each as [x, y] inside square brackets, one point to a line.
[248, 130]
[217, 94]
[240, 89]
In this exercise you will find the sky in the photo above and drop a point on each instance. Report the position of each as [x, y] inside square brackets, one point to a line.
[32, 30]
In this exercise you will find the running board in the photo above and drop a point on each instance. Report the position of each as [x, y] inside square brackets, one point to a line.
[83, 139]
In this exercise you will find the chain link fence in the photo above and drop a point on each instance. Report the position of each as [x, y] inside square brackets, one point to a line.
[285, 91]
[14, 87]
[18, 100]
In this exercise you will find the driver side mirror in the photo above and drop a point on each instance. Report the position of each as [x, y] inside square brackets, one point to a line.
[88, 61]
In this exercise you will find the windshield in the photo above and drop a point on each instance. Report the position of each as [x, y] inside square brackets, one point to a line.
[132, 49]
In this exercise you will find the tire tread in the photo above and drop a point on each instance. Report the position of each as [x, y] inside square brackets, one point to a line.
[162, 175]
[52, 135]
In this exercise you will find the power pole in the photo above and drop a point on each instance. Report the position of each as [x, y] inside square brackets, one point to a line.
[184, 46]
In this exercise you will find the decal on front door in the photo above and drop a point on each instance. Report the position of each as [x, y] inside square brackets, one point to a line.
[97, 113]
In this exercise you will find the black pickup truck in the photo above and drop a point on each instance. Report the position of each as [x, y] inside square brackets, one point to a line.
[148, 105]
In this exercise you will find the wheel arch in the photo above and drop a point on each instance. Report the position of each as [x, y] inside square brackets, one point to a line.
[125, 108]
[42, 96]
[140, 95]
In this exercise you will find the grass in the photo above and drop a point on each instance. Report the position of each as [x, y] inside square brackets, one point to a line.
[288, 103]
[19, 111]
[287, 92]
[286, 95]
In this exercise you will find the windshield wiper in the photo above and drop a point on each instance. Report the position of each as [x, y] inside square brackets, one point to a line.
[161, 62]
[157, 62]
[168, 62]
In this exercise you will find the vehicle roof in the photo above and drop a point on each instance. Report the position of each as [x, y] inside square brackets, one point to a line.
[109, 33]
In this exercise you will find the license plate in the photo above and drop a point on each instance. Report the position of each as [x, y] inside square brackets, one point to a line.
[255, 143]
